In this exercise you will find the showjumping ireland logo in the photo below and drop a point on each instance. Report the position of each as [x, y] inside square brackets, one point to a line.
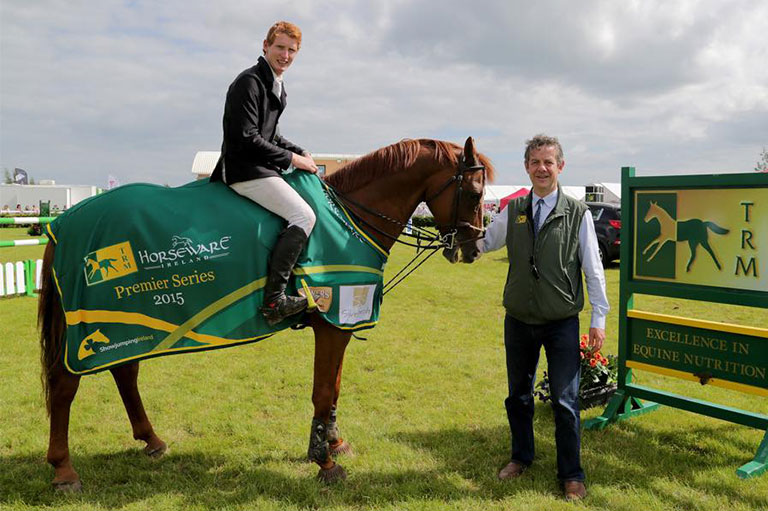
[660, 231]
[89, 343]
[109, 263]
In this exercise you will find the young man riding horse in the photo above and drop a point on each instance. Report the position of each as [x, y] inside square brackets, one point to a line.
[254, 154]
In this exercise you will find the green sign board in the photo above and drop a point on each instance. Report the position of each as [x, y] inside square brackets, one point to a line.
[736, 360]
[698, 238]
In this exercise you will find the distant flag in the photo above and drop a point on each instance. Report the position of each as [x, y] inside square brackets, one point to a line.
[20, 177]
[112, 182]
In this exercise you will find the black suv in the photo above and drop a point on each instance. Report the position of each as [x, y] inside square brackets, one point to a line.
[607, 219]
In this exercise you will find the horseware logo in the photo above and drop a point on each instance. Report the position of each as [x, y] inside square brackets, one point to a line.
[88, 344]
[109, 263]
[662, 212]
[184, 250]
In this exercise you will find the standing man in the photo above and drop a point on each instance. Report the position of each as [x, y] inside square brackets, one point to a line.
[550, 240]
[254, 155]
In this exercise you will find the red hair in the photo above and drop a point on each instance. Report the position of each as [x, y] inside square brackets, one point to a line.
[284, 27]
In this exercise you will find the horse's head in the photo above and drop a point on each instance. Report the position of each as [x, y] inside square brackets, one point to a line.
[455, 197]
[653, 212]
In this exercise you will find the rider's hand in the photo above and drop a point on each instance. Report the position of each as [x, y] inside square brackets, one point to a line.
[305, 163]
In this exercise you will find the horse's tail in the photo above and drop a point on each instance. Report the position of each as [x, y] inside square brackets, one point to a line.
[50, 320]
[712, 226]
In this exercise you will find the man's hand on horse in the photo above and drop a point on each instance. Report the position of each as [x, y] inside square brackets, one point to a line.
[596, 338]
[304, 162]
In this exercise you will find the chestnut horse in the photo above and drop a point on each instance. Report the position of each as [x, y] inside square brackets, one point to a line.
[383, 189]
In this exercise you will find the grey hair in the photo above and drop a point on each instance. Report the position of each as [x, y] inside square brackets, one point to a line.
[542, 140]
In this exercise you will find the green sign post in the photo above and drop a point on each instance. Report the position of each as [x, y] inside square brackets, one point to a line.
[698, 238]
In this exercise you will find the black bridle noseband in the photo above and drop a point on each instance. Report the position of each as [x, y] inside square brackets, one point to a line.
[421, 235]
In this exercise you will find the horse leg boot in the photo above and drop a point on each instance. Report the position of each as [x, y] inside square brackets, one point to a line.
[126, 378]
[336, 444]
[277, 306]
[63, 388]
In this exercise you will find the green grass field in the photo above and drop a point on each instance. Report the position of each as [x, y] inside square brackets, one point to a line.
[421, 404]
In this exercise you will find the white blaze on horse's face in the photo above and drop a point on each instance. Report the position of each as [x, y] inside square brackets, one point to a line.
[543, 169]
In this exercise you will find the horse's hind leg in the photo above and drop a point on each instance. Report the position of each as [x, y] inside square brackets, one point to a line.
[126, 378]
[706, 246]
[336, 443]
[63, 387]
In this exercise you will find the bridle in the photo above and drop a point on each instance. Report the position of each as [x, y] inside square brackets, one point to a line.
[434, 242]
[458, 177]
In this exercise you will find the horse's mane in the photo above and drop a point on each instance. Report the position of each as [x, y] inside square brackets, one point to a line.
[394, 158]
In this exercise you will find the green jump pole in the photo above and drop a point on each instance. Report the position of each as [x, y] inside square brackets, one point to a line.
[21, 243]
[26, 220]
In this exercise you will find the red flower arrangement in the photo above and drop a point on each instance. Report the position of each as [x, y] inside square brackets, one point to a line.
[599, 375]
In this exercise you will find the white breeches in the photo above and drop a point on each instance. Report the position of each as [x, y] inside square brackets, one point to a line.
[277, 196]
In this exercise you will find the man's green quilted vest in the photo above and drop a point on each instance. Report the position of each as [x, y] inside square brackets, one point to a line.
[557, 293]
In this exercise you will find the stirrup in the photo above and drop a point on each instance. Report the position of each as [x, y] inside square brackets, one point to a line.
[282, 307]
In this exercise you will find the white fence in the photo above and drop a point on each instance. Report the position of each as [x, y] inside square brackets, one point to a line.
[22, 277]
[17, 278]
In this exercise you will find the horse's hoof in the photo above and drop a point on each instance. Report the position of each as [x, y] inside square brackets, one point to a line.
[68, 486]
[156, 451]
[331, 475]
[341, 447]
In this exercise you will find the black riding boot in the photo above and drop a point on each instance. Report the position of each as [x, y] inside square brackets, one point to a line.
[277, 306]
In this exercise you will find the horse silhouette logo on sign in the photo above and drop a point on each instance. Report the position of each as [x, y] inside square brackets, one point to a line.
[695, 231]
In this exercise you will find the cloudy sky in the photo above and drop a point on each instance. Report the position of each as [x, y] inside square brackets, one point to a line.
[134, 89]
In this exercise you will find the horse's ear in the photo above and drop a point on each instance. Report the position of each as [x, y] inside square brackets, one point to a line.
[469, 150]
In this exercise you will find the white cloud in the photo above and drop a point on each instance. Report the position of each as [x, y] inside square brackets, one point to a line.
[134, 89]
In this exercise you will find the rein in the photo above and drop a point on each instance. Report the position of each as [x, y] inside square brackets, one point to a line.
[434, 241]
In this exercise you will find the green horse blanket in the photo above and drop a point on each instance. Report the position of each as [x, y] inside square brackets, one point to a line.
[146, 270]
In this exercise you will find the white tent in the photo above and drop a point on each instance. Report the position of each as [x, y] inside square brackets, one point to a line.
[204, 163]
[494, 193]
[612, 192]
[577, 192]
[604, 192]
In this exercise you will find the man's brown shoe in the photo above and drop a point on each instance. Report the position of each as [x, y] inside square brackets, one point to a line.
[574, 490]
[512, 470]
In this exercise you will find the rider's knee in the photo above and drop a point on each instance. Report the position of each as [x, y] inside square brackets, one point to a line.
[305, 219]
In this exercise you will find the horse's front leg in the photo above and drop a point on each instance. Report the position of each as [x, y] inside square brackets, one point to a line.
[62, 387]
[650, 245]
[126, 377]
[336, 443]
[658, 247]
[330, 344]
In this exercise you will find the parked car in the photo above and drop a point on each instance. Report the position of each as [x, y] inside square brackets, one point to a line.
[607, 219]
